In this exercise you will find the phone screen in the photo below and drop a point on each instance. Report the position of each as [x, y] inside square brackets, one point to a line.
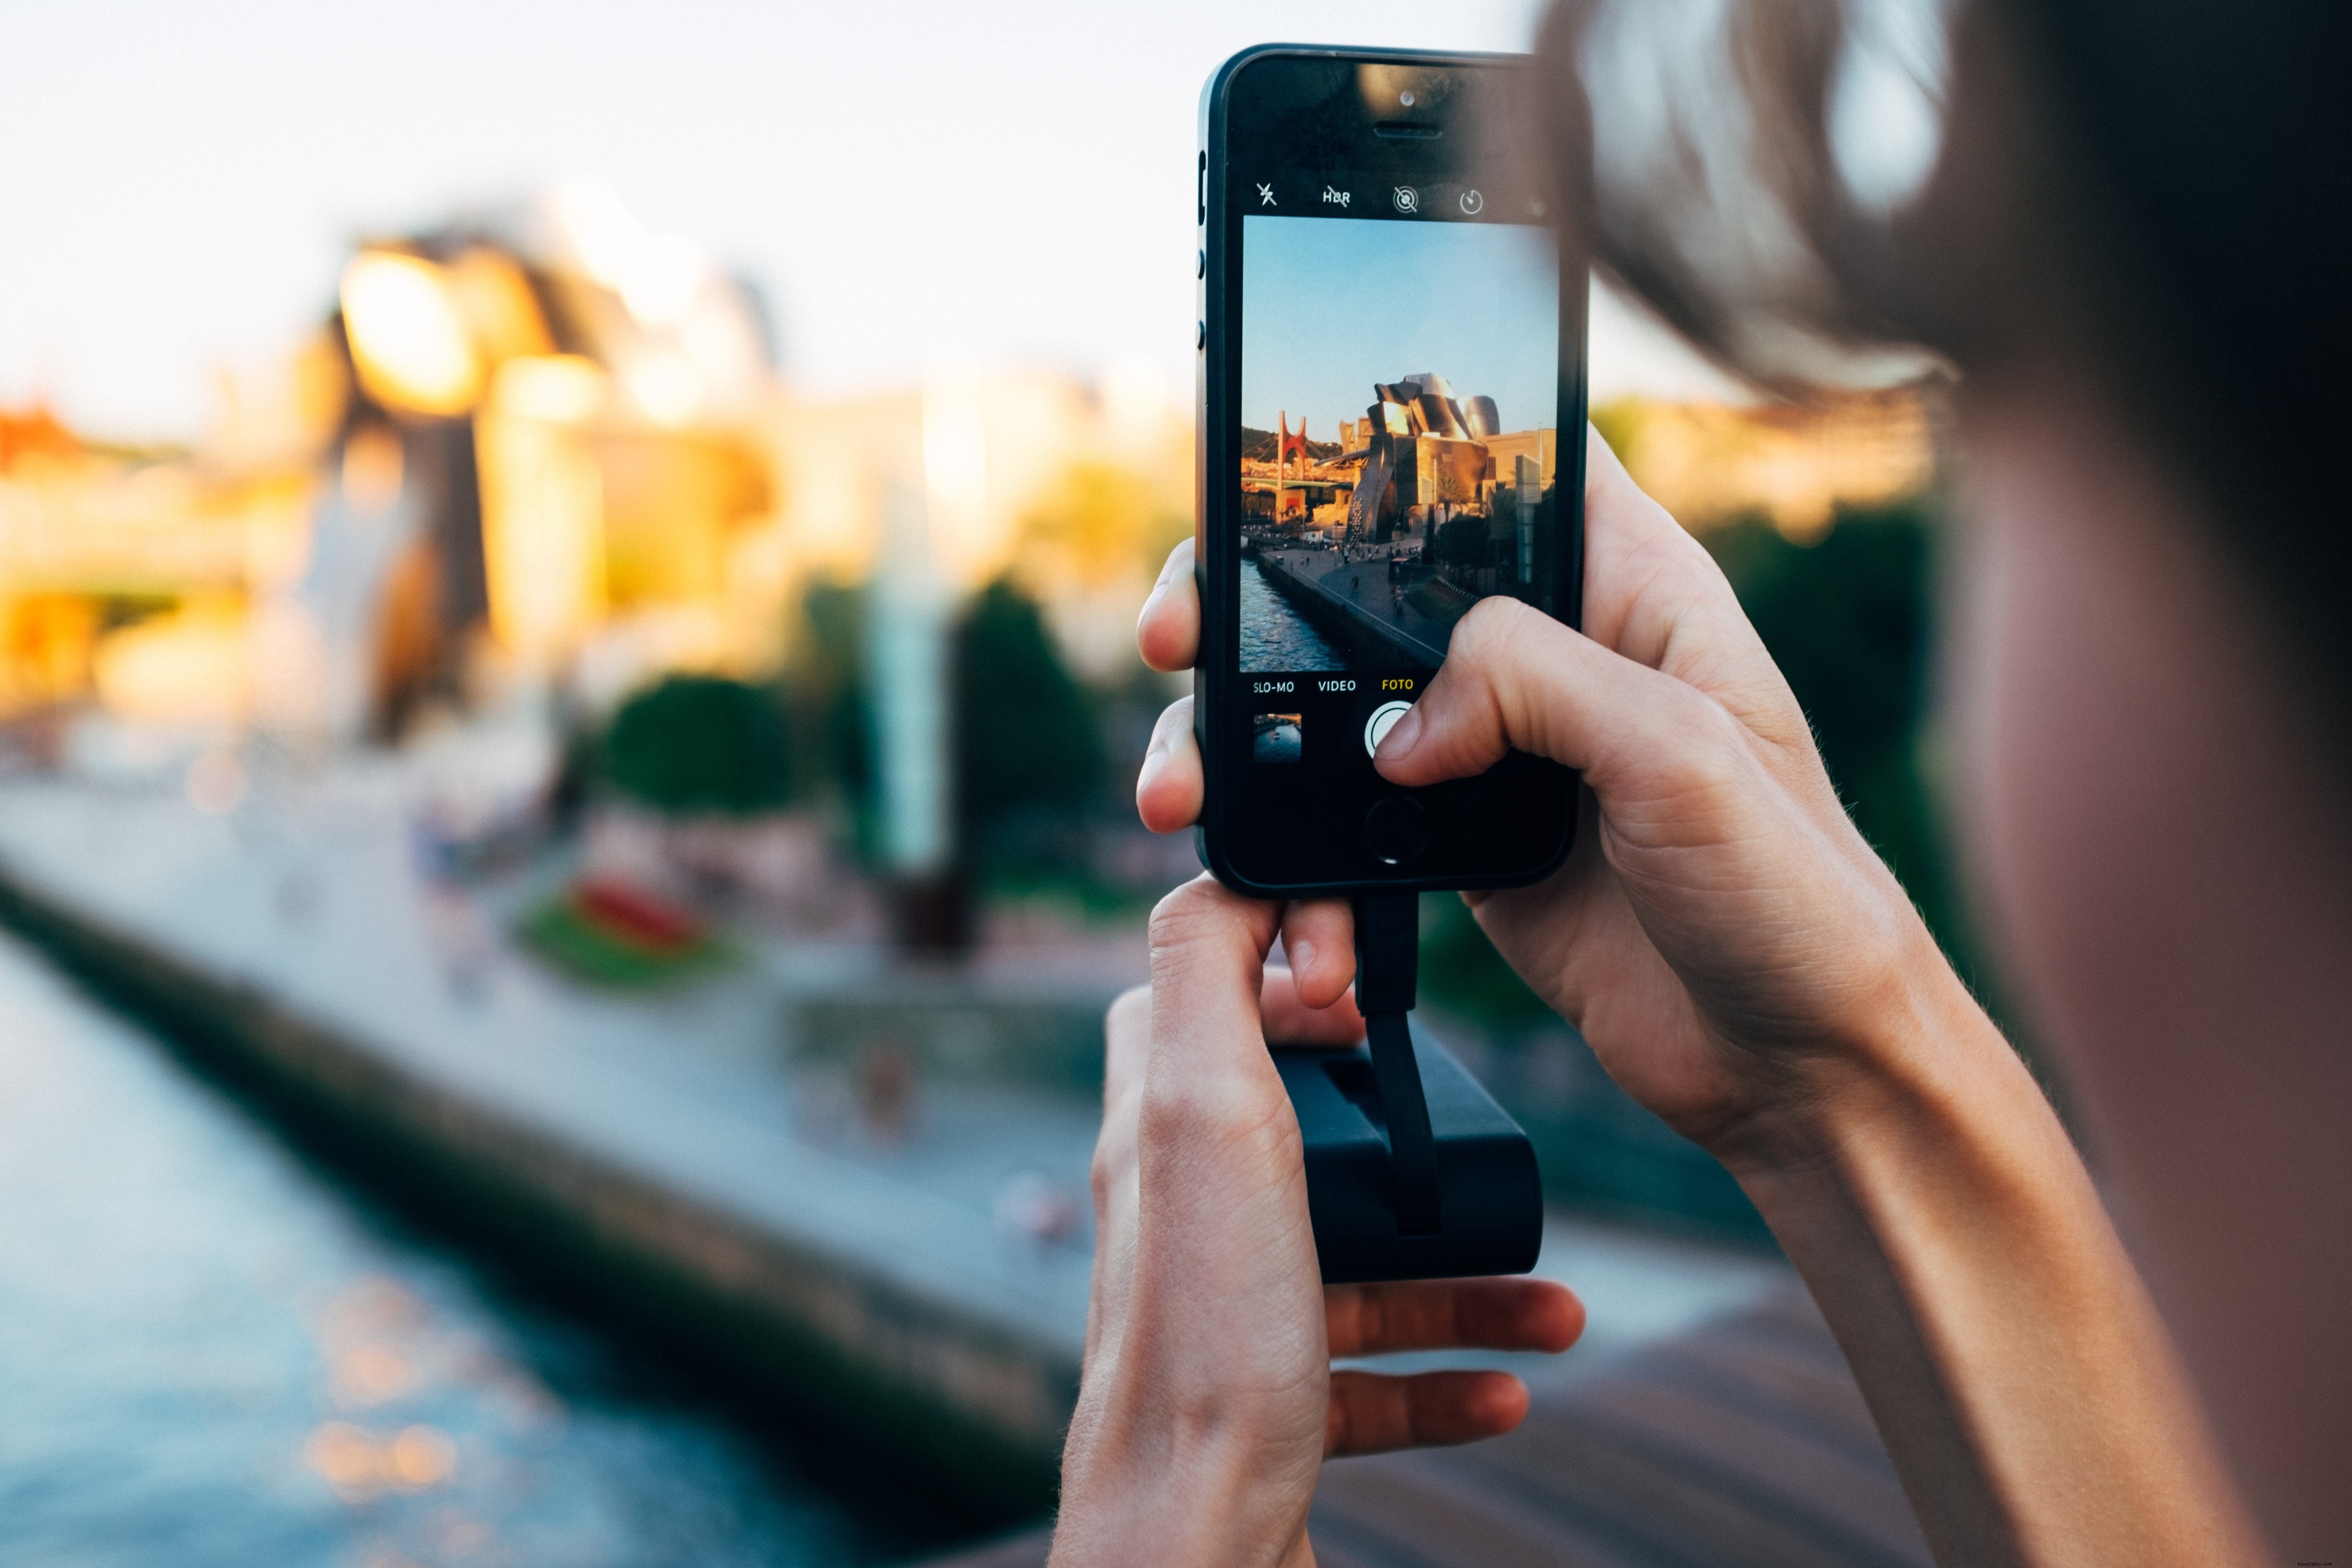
[1400, 436]
[1395, 431]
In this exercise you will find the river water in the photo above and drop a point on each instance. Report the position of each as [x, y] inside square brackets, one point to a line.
[214, 1357]
[1275, 637]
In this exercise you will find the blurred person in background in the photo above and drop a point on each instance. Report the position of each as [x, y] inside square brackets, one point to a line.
[2122, 224]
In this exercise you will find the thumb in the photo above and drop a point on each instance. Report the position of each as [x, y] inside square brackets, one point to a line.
[1514, 679]
[1208, 955]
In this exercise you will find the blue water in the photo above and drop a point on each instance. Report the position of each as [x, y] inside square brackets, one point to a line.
[1274, 636]
[212, 1357]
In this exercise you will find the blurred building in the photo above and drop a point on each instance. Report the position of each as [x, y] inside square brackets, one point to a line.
[1711, 463]
[555, 423]
[123, 573]
[537, 445]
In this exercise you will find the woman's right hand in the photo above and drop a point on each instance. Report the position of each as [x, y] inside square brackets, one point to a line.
[1730, 946]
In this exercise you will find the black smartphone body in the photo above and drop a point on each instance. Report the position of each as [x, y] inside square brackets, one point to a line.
[1391, 405]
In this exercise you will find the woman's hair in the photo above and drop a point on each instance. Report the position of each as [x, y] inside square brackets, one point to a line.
[2155, 196]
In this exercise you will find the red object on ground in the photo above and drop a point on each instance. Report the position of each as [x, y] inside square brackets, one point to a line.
[635, 916]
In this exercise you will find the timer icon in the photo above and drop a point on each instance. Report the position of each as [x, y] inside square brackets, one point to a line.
[1472, 203]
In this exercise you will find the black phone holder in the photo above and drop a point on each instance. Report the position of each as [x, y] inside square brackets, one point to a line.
[1412, 1171]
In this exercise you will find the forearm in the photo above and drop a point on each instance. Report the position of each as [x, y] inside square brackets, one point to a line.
[2020, 1378]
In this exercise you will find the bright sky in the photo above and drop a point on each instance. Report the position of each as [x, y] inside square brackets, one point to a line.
[1331, 305]
[913, 184]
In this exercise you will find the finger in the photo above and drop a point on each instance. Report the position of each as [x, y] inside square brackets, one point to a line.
[1168, 787]
[1168, 632]
[1515, 677]
[1289, 1021]
[1374, 1415]
[1319, 935]
[1499, 1314]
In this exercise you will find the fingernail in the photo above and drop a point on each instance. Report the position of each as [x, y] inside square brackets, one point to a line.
[1403, 736]
[1302, 956]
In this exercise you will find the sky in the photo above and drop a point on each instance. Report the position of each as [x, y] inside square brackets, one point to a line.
[914, 186]
[1331, 305]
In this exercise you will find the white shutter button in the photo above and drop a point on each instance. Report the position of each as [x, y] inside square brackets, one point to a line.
[1382, 720]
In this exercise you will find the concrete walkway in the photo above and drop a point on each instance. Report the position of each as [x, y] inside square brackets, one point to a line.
[1355, 595]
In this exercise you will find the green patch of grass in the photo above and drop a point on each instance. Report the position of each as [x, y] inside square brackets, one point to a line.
[558, 933]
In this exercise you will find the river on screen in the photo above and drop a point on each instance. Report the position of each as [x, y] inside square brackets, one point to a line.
[1275, 637]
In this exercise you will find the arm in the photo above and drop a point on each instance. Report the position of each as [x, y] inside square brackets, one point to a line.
[2024, 1387]
[1745, 967]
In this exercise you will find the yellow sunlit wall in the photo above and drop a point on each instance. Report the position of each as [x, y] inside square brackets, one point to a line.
[587, 513]
[542, 505]
[673, 501]
[190, 666]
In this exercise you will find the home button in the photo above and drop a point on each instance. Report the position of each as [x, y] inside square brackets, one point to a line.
[1396, 829]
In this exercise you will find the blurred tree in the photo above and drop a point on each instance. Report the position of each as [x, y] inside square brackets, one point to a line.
[1029, 752]
[1463, 973]
[827, 691]
[699, 743]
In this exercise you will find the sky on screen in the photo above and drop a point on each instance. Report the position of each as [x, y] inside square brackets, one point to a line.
[1331, 305]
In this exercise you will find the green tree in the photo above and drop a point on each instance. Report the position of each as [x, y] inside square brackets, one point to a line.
[1030, 745]
[831, 707]
[701, 743]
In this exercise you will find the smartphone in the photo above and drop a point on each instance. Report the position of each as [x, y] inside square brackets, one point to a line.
[1391, 406]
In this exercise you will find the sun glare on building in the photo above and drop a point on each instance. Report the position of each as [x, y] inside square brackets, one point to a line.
[408, 335]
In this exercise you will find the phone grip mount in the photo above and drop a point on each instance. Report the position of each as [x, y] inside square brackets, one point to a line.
[1412, 1171]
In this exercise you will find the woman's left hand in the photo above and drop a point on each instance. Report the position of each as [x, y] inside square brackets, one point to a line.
[1208, 1403]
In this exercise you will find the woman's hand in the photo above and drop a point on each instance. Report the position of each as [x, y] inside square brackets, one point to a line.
[1208, 1404]
[1725, 939]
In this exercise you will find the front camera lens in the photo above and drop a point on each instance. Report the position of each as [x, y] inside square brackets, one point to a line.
[1405, 99]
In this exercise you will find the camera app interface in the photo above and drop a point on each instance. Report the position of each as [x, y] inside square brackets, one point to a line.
[1400, 391]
